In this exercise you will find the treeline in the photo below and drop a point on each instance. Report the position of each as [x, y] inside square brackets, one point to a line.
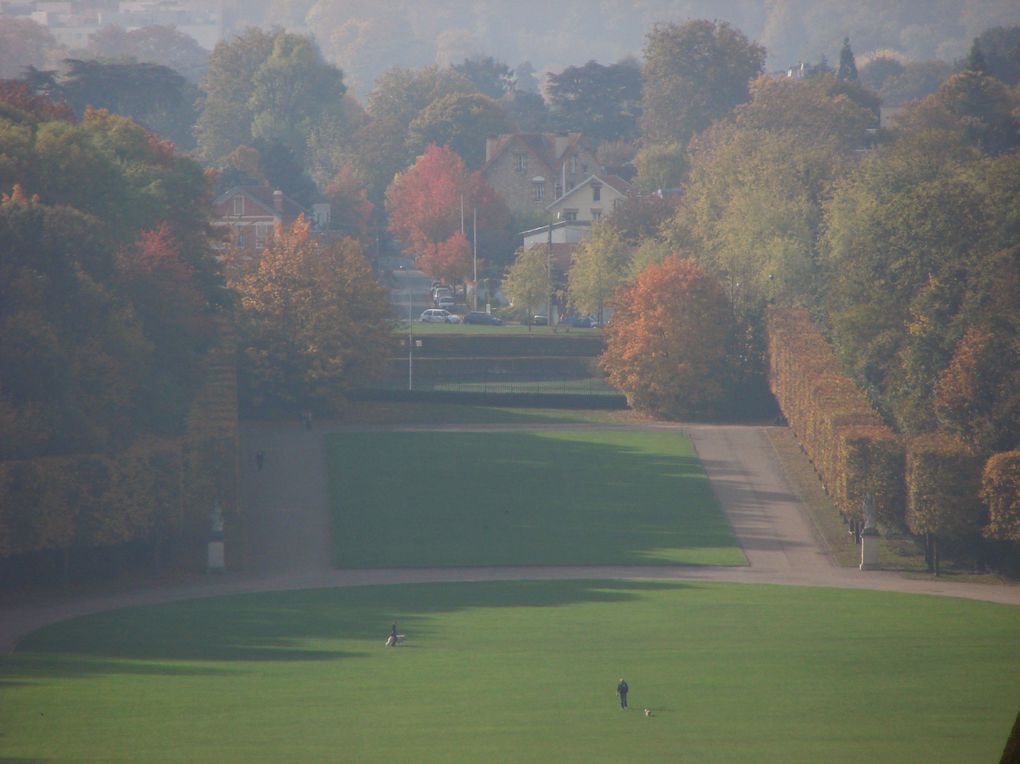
[110, 310]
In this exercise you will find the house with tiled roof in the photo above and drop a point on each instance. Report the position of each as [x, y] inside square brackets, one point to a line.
[531, 170]
[249, 215]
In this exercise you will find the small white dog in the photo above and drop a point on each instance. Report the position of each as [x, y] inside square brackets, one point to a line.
[648, 712]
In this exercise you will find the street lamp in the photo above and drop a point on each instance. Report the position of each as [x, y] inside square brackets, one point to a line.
[410, 342]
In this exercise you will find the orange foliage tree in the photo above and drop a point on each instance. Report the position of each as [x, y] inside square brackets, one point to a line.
[312, 323]
[666, 346]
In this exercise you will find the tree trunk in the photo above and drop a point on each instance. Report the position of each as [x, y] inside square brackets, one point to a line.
[66, 565]
[927, 553]
[935, 553]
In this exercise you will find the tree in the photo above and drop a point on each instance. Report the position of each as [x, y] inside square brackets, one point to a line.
[153, 95]
[449, 261]
[660, 166]
[641, 216]
[596, 270]
[490, 77]
[460, 121]
[164, 45]
[527, 283]
[312, 324]
[293, 91]
[1000, 48]
[526, 110]
[847, 71]
[350, 209]
[603, 102]
[424, 202]
[666, 346]
[694, 74]
[226, 118]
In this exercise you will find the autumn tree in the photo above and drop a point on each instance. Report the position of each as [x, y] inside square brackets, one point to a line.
[449, 261]
[527, 283]
[666, 347]
[490, 77]
[424, 202]
[694, 73]
[312, 323]
[596, 270]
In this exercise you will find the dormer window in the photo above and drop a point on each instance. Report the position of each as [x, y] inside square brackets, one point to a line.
[596, 192]
[238, 205]
[520, 161]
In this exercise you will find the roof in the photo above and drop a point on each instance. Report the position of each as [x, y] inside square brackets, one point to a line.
[613, 181]
[263, 196]
[543, 145]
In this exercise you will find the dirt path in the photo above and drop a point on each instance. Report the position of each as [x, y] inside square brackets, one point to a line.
[289, 547]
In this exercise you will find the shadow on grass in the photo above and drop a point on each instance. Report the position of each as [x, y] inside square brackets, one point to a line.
[521, 498]
[222, 635]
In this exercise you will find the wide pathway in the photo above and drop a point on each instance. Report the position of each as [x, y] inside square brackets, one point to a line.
[289, 547]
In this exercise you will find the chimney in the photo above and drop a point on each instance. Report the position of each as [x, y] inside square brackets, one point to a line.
[490, 146]
[278, 200]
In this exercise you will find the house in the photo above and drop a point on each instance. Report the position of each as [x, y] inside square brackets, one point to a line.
[559, 241]
[248, 215]
[590, 200]
[530, 170]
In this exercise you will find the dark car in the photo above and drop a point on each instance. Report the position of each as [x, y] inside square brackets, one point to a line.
[580, 322]
[539, 321]
[478, 317]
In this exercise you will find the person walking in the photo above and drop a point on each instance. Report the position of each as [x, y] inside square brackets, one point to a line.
[622, 689]
[394, 637]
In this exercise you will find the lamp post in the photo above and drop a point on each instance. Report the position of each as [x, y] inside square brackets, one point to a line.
[410, 342]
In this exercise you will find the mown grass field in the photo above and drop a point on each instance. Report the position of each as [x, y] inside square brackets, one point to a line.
[565, 497]
[522, 672]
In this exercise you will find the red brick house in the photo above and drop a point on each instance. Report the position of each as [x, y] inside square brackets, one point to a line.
[249, 215]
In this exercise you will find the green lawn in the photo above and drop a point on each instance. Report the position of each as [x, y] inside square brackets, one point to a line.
[522, 672]
[374, 413]
[409, 499]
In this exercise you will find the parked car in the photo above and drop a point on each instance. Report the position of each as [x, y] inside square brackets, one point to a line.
[438, 316]
[446, 302]
[478, 317]
[540, 320]
[580, 322]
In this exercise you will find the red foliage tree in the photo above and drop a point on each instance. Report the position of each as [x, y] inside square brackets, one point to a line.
[424, 202]
[449, 260]
[40, 108]
[666, 346]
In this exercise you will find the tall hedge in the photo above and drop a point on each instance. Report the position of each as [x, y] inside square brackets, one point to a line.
[943, 477]
[1000, 491]
[854, 453]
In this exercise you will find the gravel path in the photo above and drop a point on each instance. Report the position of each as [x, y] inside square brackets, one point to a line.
[289, 547]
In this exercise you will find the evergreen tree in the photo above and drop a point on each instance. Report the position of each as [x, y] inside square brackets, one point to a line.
[847, 64]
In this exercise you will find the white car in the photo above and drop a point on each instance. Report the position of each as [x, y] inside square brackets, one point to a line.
[438, 316]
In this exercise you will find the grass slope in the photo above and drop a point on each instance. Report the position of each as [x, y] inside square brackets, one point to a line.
[419, 499]
[522, 672]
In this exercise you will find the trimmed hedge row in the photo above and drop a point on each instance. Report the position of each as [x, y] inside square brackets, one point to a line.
[855, 454]
[931, 485]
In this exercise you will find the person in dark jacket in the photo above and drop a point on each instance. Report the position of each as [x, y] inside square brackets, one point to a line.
[622, 690]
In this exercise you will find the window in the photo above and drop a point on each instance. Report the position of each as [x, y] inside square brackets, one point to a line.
[596, 192]
[570, 215]
[520, 161]
[238, 205]
[596, 214]
[538, 189]
[558, 192]
[263, 231]
[572, 165]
